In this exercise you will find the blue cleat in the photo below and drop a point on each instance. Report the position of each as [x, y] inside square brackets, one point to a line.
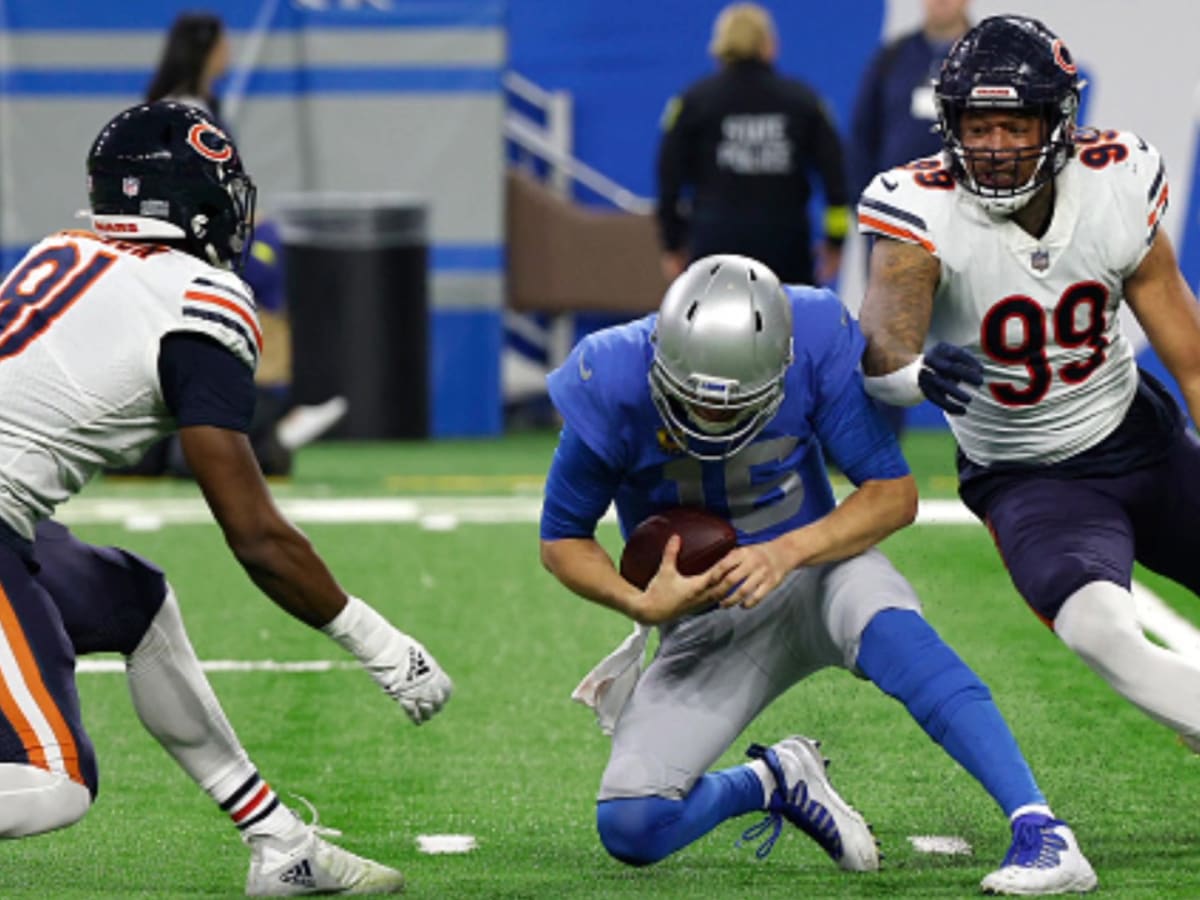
[1044, 859]
[804, 797]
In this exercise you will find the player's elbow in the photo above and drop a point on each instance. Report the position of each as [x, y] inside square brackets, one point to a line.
[897, 501]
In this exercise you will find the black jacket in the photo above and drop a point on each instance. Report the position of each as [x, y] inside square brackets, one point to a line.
[743, 143]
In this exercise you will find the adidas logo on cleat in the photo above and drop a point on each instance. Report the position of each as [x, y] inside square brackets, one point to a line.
[300, 874]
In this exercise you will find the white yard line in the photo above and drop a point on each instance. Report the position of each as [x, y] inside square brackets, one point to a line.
[446, 513]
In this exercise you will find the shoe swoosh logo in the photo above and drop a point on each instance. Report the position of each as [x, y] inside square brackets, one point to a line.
[584, 372]
[890, 185]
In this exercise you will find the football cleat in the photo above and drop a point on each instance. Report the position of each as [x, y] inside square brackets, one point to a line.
[1044, 859]
[312, 865]
[804, 797]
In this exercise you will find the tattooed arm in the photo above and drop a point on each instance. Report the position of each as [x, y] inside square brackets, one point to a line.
[895, 313]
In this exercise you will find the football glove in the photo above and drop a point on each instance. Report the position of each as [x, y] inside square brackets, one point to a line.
[410, 675]
[945, 368]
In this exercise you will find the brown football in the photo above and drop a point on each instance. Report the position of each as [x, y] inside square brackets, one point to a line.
[705, 539]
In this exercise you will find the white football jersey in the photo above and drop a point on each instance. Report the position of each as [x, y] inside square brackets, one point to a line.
[81, 319]
[1039, 313]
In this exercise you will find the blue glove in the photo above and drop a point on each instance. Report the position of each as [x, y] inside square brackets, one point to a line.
[946, 367]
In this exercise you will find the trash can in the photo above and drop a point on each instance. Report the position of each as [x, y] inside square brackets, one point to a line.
[357, 274]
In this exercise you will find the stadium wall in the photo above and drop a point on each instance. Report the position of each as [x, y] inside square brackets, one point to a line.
[326, 96]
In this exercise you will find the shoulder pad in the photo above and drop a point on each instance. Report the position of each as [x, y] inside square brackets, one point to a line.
[902, 203]
[218, 304]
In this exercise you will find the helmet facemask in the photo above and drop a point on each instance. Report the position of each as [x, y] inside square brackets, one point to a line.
[1015, 65]
[722, 347]
[1054, 148]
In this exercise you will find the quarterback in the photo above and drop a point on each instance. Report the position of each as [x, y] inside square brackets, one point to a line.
[1011, 254]
[728, 399]
[110, 339]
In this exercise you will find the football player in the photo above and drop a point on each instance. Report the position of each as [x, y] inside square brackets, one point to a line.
[728, 399]
[109, 340]
[1012, 253]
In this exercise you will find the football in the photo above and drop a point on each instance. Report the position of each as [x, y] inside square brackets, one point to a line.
[705, 539]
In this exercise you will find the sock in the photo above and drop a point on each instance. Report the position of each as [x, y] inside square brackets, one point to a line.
[176, 703]
[644, 830]
[902, 654]
[255, 809]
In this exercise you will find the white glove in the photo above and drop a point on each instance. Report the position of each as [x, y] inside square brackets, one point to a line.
[405, 670]
[410, 675]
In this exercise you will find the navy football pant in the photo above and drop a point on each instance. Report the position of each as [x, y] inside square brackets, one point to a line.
[1056, 534]
[84, 599]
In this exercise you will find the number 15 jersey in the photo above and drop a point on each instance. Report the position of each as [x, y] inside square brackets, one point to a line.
[1039, 313]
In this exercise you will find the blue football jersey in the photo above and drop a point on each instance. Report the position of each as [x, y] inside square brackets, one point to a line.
[615, 448]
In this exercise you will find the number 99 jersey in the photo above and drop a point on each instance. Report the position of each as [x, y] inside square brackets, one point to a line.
[1039, 313]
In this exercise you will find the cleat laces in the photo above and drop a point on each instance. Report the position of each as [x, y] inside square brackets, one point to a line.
[795, 805]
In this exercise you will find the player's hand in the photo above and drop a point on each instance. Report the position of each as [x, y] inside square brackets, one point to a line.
[670, 594]
[410, 675]
[946, 367]
[755, 570]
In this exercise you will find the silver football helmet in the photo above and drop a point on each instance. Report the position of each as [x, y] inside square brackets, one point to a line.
[722, 345]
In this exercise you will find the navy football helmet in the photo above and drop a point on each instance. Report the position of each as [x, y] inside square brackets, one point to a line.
[1009, 63]
[166, 171]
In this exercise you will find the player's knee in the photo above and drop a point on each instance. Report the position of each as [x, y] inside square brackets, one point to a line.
[906, 659]
[34, 801]
[1099, 623]
[630, 828]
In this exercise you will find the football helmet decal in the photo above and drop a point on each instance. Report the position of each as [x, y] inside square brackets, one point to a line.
[1008, 63]
[166, 171]
[722, 346]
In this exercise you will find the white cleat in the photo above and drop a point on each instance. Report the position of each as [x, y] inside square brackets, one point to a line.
[312, 865]
[804, 797]
[1044, 859]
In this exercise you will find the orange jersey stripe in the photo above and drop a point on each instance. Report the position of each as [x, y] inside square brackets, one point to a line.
[233, 308]
[37, 688]
[902, 233]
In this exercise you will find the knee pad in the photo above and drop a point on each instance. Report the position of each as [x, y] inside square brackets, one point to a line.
[908, 660]
[34, 801]
[630, 827]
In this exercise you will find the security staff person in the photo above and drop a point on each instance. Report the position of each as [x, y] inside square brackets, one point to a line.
[734, 162]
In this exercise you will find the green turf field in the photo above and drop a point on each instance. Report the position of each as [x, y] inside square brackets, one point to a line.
[514, 762]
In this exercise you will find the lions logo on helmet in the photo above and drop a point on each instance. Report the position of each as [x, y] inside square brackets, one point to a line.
[1009, 63]
[722, 346]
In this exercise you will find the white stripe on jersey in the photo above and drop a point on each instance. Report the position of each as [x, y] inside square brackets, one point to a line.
[228, 308]
[14, 680]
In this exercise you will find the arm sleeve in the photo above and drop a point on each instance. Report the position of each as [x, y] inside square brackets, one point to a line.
[579, 489]
[827, 150]
[672, 168]
[863, 146]
[203, 383]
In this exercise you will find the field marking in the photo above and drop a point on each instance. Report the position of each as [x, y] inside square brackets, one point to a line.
[152, 513]
[436, 513]
[117, 666]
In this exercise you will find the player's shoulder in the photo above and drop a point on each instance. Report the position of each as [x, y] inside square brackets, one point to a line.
[606, 362]
[820, 320]
[218, 304]
[909, 202]
[1124, 160]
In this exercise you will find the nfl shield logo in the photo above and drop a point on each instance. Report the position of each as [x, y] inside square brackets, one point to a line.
[130, 186]
[1040, 260]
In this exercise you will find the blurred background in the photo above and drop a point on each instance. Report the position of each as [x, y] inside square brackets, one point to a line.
[463, 187]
